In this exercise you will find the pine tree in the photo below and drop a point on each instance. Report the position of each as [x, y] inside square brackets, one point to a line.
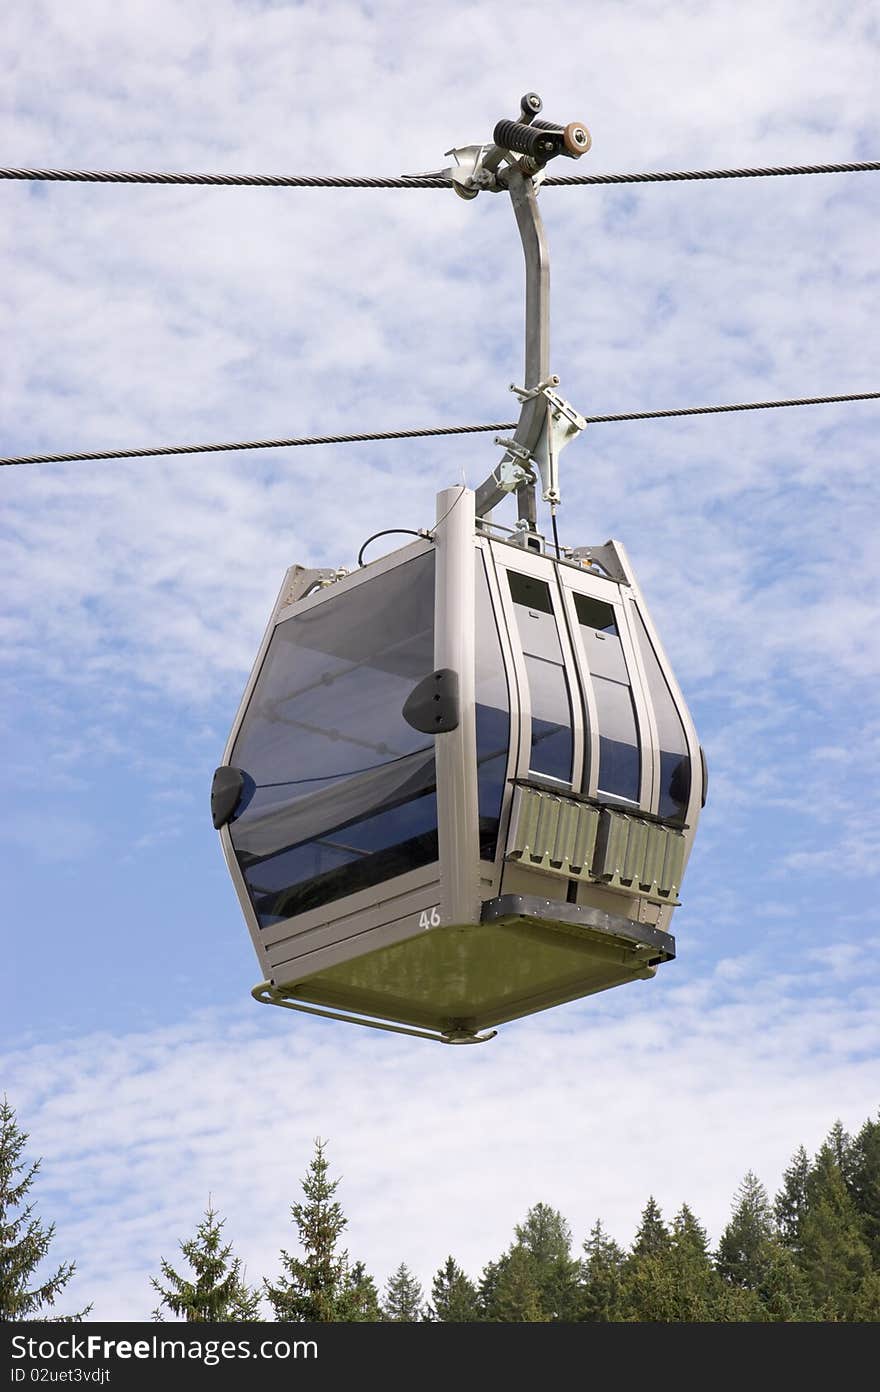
[218, 1293]
[784, 1294]
[601, 1295]
[839, 1142]
[699, 1294]
[24, 1241]
[863, 1183]
[510, 1290]
[454, 1298]
[669, 1276]
[866, 1306]
[791, 1201]
[832, 1253]
[742, 1251]
[546, 1237]
[360, 1302]
[403, 1297]
[652, 1236]
[752, 1259]
[321, 1286]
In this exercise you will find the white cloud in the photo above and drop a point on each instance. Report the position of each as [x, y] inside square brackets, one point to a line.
[671, 1090]
[135, 594]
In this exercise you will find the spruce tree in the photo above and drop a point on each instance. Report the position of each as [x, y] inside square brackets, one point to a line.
[832, 1253]
[601, 1294]
[510, 1290]
[216, 1293]
[743, 1247]
[652, 1236]
[669, 1276]
[320, 1286]
[546, 1236]
[24, 1241]
[360, 1302]
[403, 1298]
[839, 1142]
[863, 1183]
[751, 1258]
[699, 1295]
[454, 1298]
[791, 1201]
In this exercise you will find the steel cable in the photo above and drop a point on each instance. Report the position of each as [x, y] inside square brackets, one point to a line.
[89, 455]
[106, 176]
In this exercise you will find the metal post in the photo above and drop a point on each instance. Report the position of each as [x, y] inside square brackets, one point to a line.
[537, 358]
[456, 751]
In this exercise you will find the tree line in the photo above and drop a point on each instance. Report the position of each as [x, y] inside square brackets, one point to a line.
[810, 1254]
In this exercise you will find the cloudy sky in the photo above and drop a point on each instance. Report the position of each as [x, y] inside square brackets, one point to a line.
[135, 594]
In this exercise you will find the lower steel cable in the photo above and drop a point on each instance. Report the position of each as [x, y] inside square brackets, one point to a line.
[85, 456]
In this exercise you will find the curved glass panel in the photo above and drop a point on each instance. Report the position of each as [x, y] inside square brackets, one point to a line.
[493, 716]
[552, 747]
[341, 791]
[619, 758]
[675, 764]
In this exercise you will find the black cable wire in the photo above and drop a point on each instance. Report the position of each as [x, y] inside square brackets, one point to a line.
[555, 534]
[109, 176]
[387, 531]
[255, 444]
[741, 406]
[106, 176]
[418, 434]
[667, 176]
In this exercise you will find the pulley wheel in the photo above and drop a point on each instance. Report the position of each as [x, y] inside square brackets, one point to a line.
[576, 138]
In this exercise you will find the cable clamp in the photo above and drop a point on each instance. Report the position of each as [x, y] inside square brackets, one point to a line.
[468, 174]
[515, 469]
[561, 424]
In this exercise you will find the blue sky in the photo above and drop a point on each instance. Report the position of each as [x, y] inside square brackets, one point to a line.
[135, 594]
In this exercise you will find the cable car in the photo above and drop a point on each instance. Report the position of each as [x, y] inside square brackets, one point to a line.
[463, 784]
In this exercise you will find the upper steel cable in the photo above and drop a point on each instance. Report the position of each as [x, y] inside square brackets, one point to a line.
[420, 434]
[105, 176]
[667, 176]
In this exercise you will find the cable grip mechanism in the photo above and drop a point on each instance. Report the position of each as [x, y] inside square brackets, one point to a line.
[561, 424]
[516, 162]
[515, 470]
[525, 144]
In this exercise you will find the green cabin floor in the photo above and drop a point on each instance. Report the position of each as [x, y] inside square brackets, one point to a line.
[475, 975]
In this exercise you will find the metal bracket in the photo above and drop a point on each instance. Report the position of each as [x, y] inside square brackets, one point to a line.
[562, 424]
[515, 469]
[523, 535]
[605, 556]
[303, 581]
[468, 175]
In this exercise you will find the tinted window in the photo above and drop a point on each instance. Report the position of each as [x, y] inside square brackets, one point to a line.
[551, 751]
[675, 765]
[493, 717]
[341, 790]
[619, 760]
[595, 614]
[534, 594]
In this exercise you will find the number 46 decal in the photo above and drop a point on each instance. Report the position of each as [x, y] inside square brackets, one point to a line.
[429, 918]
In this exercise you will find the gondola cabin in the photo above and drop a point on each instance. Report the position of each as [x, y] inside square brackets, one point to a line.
[462, 785]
